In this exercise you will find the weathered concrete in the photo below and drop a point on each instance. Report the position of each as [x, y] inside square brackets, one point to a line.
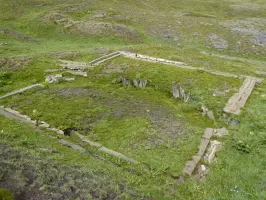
[191, 165]
[12, 115]
[238, 100]
[208, 133]
[71, 145]
[84, 139]
[213, 149]
[78, 73]
[104, 58]
[21, 90]
[180, 65]
[104, 149]
[117, 154]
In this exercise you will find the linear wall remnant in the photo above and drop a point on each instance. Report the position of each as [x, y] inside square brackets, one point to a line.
[21, 90]
[205, 140]
[238, 100]
[10, 113]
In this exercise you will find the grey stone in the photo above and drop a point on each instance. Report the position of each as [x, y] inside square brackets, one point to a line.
[210, 115]
[140, 83]
[213, 149]
[53, 78]
[179, 92]
[220, 132]
[125, 81]
[208, 133]
[44, 125]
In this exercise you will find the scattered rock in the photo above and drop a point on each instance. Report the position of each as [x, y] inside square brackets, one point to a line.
[210, 115]
[67, 64]
[17, 35]
[56, 78]
[218, 42]
[248, 7]
[254, 28]
[234, 122]
[53, 151]
[93, 28]
[261, 73]
[53, 78]
[203, 168]
[220, 132]
[206, 111]
[14, 63]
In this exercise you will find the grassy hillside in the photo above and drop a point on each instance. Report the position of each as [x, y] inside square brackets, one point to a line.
[146, 124]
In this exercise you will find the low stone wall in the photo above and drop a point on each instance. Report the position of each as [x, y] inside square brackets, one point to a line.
[21, 90]
[205, 140]
[10, 113]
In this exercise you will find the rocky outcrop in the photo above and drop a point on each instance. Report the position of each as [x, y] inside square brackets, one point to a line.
[141, 83]
[179, 92]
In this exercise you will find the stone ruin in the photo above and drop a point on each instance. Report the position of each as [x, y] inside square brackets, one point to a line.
[179, 92]
[125, 81]
[206, 111]
[139, 83]
[56, 78]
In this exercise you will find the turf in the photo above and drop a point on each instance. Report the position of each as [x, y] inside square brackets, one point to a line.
[146, 124]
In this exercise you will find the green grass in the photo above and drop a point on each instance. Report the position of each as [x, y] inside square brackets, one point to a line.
[124, 119]
[5, 195]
